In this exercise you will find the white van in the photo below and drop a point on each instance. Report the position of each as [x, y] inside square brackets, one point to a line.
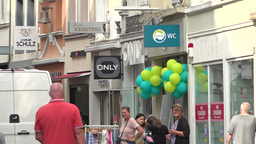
[22, 92]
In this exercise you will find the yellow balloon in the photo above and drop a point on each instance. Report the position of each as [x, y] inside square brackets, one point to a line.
[177, 68]
[169, 87]
[138, 90]
[199, 69]
[170, 63]
[146, 75]
[154, 95]
[156, 70]
[175, 78]
[163, 70]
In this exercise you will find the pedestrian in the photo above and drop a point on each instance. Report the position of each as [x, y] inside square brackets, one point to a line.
[59, 122]
[159, 131]
[128, 127]
[2, 138]
[242, 127]
[179, 133]
[140, 119]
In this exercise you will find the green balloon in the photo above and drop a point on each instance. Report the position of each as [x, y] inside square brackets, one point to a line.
[170, 63]
[169, 87]
[177, 68]
[146, 75]
[181, 88]
[145, 95]
[176, 94]
[201, 78]
[155, 80]
[184, 76]
[175, 78]
[138, 90]
[163, 70]
[156, 70]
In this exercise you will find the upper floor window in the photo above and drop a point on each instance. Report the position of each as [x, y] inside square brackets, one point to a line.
[25, 13]
[78, 10]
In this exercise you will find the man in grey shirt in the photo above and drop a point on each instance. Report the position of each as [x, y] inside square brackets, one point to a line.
[2, 139]
[242, 127]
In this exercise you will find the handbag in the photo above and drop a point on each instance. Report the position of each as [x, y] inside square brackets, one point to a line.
[118, 141]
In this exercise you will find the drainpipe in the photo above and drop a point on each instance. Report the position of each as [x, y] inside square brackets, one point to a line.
[10, 26]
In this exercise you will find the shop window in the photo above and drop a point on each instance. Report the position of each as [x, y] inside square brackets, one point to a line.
[241, 85]
[216, 104]
[209, 104]
[201, 106]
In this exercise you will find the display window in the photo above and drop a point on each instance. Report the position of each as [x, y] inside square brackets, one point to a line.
[209, 107]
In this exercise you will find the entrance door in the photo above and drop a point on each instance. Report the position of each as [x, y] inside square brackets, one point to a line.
[79, 95]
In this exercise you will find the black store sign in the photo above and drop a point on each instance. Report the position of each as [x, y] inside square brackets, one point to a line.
[107, 67]
[77, 53]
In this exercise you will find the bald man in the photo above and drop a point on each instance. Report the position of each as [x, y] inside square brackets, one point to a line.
[59, 122]
[242, 127]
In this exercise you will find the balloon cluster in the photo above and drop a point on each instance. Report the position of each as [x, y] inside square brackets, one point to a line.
[150, 82]
[201, 79]
[172, 78]
[176, 78]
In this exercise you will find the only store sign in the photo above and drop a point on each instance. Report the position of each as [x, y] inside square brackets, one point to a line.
[161, 36]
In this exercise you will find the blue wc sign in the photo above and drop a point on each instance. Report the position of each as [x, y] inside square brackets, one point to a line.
[161, 36]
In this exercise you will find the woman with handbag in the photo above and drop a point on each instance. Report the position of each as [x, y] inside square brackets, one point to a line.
[128, 127]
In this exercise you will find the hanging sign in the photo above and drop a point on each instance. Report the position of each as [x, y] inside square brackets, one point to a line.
[25, 38]
[85, 27]
[201, 112]
[217, 111]
[161, 36]
[107, 67]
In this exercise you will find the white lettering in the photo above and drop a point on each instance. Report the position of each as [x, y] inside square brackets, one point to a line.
[216, 112]
[107, 67]
[171, 35]
[99, 67]
[201, 113]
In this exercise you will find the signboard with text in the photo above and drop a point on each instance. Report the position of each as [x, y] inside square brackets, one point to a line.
[161, 36]
[25, 38]
[107, 67]
[217, 111]
[201, 112]
[85, 27]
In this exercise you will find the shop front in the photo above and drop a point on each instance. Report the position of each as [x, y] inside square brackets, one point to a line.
[105, 81]
[164, 42]
[221, 78]
[76, 77]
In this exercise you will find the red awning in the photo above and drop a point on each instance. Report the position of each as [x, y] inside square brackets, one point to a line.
[73, 75]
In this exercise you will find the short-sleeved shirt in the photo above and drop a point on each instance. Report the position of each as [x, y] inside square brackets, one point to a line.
[129, 130]
[57, 121]
[242, 128]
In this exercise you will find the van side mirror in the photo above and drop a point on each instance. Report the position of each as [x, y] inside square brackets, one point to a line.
[14, 118]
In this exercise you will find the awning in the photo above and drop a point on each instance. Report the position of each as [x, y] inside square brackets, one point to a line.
[73, 75]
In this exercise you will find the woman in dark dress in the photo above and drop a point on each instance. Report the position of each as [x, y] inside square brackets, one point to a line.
[158, 130]
[179, 134]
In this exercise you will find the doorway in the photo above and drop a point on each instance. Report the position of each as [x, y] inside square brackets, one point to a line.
[79, 95]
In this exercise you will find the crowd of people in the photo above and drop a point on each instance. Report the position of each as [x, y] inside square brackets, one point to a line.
[133, 131]
[242, 127]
